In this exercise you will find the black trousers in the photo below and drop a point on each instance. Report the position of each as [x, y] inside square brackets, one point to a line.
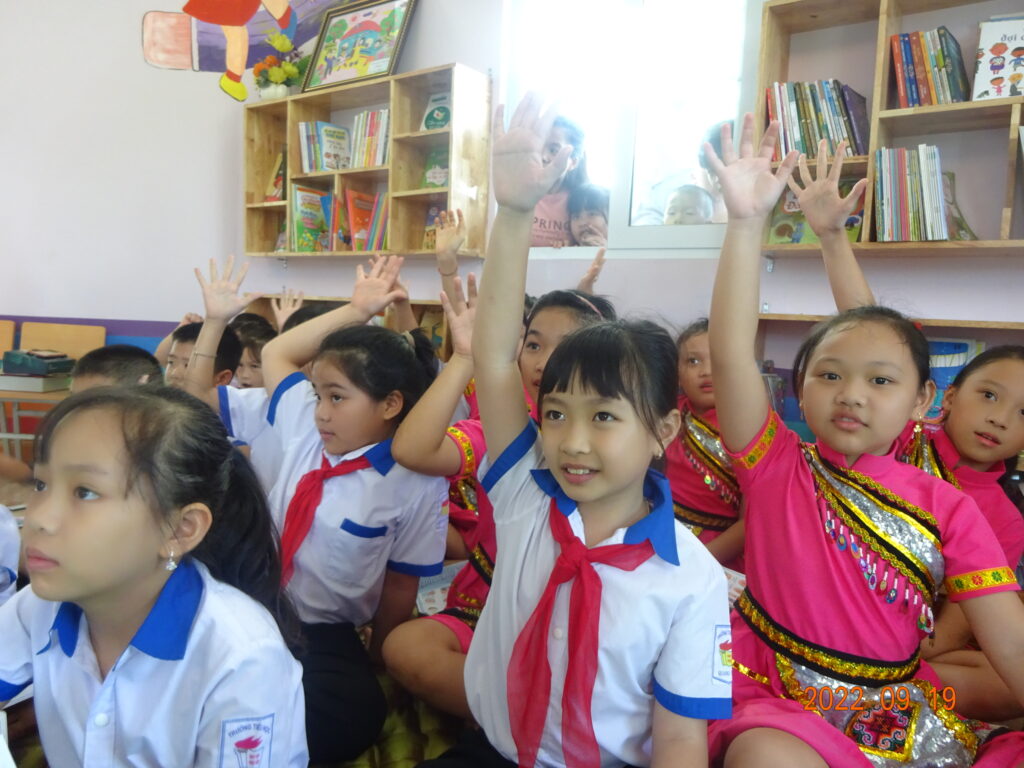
[345, 705]
[472, 751]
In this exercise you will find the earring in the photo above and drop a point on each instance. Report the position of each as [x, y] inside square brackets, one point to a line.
[917, 428]
[170, 565]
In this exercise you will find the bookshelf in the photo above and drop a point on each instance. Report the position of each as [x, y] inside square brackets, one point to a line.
[889, 125]
[272, 126]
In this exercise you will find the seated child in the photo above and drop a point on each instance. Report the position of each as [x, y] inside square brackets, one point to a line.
[10, 550]
[253, 332]
[588, 215]
[183, 339]
[115, 364]
[154, 629]
[689, 204]
[551, 224]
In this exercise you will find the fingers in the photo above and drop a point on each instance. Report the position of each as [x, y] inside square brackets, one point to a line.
[462, 219]
[471, 290]
[446, 305]
[599, 258]
[241, 275]
[526, 111]
[851, 201]
[498, 124]
[787, 165]
[837, 162]
[822, 160]
[747, 136]
[805, 173]
[360, 273]
[728, 150]
[796, 188]
[768, 141]
[712, 159]
[202, 284]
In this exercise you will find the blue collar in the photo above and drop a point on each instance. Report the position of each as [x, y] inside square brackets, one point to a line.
[659, 527]
[379, 457]
[164, 633]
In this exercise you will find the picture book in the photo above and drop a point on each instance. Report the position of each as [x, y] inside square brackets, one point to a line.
[333, 147]
[856, 106]
[946, 357]
[309, 222]
[429, 229]
[788, 224]
[957, 225]
[360, 217]
[432, 323]
[438, 113]
[435, 168]
[275, 184]
[999, 67]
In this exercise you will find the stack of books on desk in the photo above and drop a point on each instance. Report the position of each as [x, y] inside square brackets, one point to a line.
[13, 382]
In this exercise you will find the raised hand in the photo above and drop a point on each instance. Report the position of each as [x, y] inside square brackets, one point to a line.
[749, 186]
[189, 318]
[825, 209]
[593, 272]
[450, 229]
[376, 289]
[520, 175]
[220, 294]
[285, 306]
[461, 310]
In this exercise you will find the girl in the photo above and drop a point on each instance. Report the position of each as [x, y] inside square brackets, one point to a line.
[972, 447]
[576, 502]
[428, 656]
[357, 531]
[152, 631]
[551, 222]
[868, 540]
[704, 490]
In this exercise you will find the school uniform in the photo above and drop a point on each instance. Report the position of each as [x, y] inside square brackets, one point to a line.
[10, 549]
[207, 681]
[378, 517]
[244, 414]
[663, 627]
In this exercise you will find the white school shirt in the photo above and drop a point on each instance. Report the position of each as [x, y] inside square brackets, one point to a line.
[382, 518]
[664, 627]
[10, 549]
[244, 413]
[207, 682]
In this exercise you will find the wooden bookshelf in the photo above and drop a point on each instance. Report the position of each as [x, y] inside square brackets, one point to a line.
[887, 124]
[925, 322]
[272, 126]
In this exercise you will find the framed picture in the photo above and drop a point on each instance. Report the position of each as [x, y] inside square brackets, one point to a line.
[358, 41]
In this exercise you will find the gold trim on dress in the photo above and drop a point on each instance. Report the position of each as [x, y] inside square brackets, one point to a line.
[963, 583]
[751, 458]
[697, 521]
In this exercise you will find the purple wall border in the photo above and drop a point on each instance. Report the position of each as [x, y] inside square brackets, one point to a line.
[157, 328]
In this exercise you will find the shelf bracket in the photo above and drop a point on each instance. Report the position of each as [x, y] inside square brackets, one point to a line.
[769, 264]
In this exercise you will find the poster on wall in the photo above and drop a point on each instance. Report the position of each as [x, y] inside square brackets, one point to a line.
[271, 39]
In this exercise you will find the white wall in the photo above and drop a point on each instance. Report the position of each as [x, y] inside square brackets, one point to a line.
[120, 177]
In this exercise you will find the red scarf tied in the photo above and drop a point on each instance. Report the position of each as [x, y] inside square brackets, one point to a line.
[302, 508]
[529, 673]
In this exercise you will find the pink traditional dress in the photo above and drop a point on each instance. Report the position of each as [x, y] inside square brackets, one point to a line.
[843, 565]
[705, 494]
[931, 449]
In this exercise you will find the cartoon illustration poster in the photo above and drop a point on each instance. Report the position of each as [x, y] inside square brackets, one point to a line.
[232, 36]
[359, 43]
[999, 66]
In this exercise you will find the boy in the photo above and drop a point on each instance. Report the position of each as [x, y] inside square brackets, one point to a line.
[183, 340]
[690, 204]
[115, 364]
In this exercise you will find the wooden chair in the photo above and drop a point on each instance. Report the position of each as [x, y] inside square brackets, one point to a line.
[6, 335]
[73, 340]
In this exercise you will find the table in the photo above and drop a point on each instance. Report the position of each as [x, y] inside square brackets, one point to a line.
[16, 398]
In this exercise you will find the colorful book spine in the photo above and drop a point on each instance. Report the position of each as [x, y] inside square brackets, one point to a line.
[960, 86]
[913, 97]
[925, 84]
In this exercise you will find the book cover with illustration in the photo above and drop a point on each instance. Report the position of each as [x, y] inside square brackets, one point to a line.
[275, 184]
[360, 217]
[435, 168]
[334, 146]
[430, 229]
[788, 224]
[309, 222]
[999, 66]
[438, 112]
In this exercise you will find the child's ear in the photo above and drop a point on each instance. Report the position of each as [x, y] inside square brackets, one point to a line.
[668, 427]
[925, 398]
[392, 404]
[191, 524]
[223, 378]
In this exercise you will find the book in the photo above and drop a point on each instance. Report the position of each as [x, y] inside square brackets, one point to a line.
[309, 221]
[946, 358]
[960, 86]
[333, 147]
[925, 84]
[13, 382]
[910, 203]
[898, 71]
[429, 230]
[788, 224]
[913, 97]
[360, 214]
[438, 112]
[857, 107]
[435, 168]
[956, 224]
[275, 184]
[1000, 56]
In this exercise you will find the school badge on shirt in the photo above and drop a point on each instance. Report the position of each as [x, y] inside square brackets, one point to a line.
[245, 742]
[721, 669]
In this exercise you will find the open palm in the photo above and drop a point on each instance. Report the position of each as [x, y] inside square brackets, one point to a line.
[461, 312]
[220, 294]
[520, 176]
[824, 207]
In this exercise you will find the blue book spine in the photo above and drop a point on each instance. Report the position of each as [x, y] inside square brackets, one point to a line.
[913, 97]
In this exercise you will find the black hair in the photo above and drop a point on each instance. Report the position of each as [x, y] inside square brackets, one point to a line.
[380, 361]
[587, 307]
[179, 454]
[253, 332]
[588, 197]
[1009, 480]
[903, 326]
[632, 359]
[574, 135]
[229, 349]
[696, 328]
[121, 363]
[308, 311]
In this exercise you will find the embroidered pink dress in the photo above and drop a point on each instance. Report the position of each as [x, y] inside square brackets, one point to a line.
[705, 495]
[933, 451]
[842, 567]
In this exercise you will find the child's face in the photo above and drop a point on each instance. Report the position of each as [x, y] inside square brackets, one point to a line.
[346, 417]
[695, 372]
[250, 371]
[88, 539]
[556, 140]
[597, 448]
[589, 228]
[860, 389]
[546, 331]
[177, 363]
[687, 206]
[985, 415]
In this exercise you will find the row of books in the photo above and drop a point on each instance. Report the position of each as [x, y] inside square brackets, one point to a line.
[910, 200]
[812, 111]
[370, 138]
[324, 147]
[929, 68]
[322, 222]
